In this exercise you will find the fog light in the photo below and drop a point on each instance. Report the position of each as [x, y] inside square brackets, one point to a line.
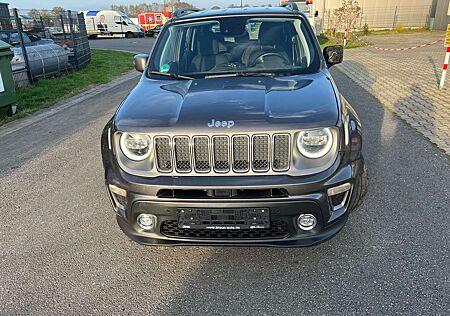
[147, 222]
[306, 221]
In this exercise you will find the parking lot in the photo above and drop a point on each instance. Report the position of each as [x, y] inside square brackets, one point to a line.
[135, 45]
[61, 251]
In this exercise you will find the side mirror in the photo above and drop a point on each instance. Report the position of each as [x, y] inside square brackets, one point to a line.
[333, 54]
[316, 14]
[140, 61]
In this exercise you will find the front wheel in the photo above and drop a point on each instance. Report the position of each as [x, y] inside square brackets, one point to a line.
[129, 35]
[362, 187]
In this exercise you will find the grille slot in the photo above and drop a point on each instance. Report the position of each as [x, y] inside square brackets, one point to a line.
[277, 229]
[182, 154]
[221, 150]
[281, 152]
[260, 161]
[241, 153]
[201, 154]
[163, 153]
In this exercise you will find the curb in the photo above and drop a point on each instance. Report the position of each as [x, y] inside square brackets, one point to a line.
[37, 116]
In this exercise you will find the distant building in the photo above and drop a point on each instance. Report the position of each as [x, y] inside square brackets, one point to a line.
[389, 13]
[442, 14]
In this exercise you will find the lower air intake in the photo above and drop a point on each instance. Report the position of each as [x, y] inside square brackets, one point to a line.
[278, 229]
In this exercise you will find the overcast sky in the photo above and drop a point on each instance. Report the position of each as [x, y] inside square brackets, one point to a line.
[105, 4]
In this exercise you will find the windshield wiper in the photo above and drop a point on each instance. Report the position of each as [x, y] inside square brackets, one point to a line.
[243, 74]
[166, 74]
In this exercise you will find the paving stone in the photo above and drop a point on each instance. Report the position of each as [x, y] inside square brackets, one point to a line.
[406, 82]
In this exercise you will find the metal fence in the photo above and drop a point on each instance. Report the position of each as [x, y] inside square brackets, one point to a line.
[386, 17]
[45, 43]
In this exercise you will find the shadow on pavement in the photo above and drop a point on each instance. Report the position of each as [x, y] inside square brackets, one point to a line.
[437, 75]
[368, 267]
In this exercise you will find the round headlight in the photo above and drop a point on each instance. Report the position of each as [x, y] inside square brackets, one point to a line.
[135, 146]
[315, 143]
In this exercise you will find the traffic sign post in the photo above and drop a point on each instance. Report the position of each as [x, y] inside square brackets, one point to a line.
[447, 57]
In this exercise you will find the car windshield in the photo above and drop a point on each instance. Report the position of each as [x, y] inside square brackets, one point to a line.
[236, 45]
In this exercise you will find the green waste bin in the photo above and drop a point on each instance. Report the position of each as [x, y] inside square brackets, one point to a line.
[7, 86]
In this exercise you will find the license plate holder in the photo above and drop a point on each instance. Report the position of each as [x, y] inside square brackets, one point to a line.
[221, 219]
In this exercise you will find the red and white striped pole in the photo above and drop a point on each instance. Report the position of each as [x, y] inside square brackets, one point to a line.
[444, 68]
[345, 37]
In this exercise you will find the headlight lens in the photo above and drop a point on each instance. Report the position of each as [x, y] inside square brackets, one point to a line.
[315, 143]
[135, 146]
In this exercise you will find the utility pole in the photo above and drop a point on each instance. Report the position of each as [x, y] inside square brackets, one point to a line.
[241, 3]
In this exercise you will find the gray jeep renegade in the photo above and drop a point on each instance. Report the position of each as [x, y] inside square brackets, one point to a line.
[235, 135]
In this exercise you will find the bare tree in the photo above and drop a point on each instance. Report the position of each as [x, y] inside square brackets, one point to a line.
[347, 15]
[34, 13]
[58, 11]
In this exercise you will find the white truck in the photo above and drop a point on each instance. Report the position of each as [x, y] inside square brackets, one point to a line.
[110, 23]
[307, 7]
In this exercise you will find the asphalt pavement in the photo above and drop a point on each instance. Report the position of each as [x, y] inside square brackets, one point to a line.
[134, 45]
[62, 253]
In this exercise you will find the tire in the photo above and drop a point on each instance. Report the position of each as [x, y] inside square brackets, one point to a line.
[129, 35]
[362, 188]
[12, 110]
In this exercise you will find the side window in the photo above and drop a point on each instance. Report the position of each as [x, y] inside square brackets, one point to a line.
[158, 18]
[118, 20]
[150, 19]
[4, 37]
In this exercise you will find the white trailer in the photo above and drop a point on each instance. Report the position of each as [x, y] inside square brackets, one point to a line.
[110, 23]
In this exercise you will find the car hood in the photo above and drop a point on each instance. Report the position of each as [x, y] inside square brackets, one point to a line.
[244, 103]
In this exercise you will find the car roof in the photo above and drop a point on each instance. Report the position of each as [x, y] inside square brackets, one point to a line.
[238, 11]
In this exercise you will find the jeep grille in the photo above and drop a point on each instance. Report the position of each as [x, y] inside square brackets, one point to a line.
[223, 154]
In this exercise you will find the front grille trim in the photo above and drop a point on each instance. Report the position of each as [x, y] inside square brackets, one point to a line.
[202, 160]
[149, 167]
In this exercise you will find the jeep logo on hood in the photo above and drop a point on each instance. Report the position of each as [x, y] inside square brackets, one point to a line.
[214, 123]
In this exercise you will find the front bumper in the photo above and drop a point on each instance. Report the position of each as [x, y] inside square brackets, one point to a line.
[303, 195]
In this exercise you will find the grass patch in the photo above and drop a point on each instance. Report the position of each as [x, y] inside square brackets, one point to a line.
[400, 31]
[105, 65]
[325, 40]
